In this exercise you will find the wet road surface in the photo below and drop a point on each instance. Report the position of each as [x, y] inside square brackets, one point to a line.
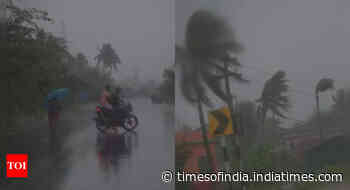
[136, 162]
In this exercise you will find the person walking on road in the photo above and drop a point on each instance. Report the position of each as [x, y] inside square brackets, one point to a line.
[54, 109]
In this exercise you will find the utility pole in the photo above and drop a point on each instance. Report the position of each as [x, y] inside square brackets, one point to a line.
[63, 30]
[229, 101]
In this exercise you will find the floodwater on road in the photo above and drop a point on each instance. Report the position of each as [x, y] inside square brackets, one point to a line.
[135, 164]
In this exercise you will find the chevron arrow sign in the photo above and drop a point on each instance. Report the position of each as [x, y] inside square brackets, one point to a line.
[220, 122]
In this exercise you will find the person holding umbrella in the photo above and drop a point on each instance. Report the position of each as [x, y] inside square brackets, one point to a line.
[54, 109]
[54, 106]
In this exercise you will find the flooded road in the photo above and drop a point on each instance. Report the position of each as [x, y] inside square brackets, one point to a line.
[136, 163]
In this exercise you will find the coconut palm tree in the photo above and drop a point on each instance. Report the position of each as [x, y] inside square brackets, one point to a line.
[340, 100]
[81, 60]
[323, 85]
[167, 88]
[273, 98]
[108, 57]
[208, 41]
[169, 74]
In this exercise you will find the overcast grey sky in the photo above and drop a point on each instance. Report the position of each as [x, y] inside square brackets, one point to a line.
[140, 31]
[307, 38]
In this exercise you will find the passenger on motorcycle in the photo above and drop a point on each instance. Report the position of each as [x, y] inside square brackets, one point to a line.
[112, 103]
[105, 96]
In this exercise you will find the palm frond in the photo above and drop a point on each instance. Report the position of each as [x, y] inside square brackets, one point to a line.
[277, 111]
[108, 57]
[324, 84]
[236, 76]
[273, 96]
[215, 85]
[191, 85]
[207, 35]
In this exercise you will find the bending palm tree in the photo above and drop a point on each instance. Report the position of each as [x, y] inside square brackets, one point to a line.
[108, 57]
[323, 85]
[81, 60]
[168, 86]
[273, 98]
[339, 100]
[208, 40]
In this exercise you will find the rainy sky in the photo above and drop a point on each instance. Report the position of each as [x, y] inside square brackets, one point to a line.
[140, 31]
[307, 38]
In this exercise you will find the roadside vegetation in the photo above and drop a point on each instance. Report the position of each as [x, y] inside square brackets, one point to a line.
[33, 63]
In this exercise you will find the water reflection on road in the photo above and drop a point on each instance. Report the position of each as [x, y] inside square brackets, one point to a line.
[134, 162]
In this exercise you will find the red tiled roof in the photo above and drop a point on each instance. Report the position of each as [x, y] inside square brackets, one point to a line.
[196, 152]
[188, 135]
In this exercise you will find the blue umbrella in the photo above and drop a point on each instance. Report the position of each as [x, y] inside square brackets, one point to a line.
[58, 94]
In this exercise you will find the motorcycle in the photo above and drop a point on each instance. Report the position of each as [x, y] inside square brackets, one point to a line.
[107, 124]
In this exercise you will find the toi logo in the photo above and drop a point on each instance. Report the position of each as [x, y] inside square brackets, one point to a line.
[17, 165]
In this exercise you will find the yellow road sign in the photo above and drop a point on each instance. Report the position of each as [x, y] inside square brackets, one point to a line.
[220, 122]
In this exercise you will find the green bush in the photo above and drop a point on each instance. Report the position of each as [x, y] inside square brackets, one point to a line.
[34, 62]
[332, 152]
[261, 159]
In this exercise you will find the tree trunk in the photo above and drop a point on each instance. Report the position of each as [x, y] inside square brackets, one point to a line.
[319, 116]
[263, 119]
[236, 128]
[204, 135]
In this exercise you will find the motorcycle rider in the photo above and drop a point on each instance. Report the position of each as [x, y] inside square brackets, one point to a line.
[117, 103]
[115, 99]
[112, 102]
[105, 103]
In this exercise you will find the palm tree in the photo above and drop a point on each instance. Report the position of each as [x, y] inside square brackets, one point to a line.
[248, 119]
[167, 88]
[273, 98]
[323, 85]
[194, 92]
[81, 60]
[168, 74]
[208, 41]
[108, 57]
[340, 100]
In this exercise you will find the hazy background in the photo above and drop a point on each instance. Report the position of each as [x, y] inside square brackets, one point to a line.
[141, 32]
[307, 38]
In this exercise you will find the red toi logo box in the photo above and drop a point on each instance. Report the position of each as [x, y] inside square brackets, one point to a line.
[17, 165]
